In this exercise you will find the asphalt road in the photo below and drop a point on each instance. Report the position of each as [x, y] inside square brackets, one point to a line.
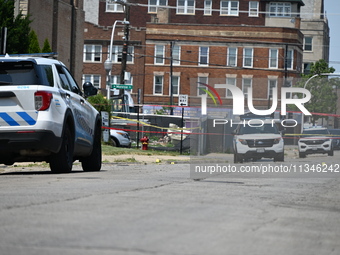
[158, 209]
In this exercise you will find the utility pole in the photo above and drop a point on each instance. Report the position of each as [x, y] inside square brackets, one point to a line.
[171, 85]
[125, 48]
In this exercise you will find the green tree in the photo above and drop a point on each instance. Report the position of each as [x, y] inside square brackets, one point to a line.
[323, 98]
[100, 103]
[34, 43]
[46, 48]
[18, 28]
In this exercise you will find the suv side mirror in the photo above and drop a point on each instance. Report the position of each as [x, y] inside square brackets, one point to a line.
[89, 89]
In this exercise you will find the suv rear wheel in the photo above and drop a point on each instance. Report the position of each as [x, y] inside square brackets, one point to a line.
[62, 161]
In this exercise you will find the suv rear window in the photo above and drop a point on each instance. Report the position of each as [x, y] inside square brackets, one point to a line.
[25, 73]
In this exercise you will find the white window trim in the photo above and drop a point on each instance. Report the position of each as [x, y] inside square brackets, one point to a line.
[245, 93]
[276, 58]
[176, 61]
[93, 53]
[201, 75]
[92, 79]
[199, 57]
[277, 13]
[304, 44]
[269, 80]
[228, 56]
[226, 81]
[228, 9]
[291, 61]
[115, 53]
[156, 6]
[186, 9]
[154, 84]
[253, 10]
[207, 8]
[115, 7]
[244, 57]
[163, 55]
[178, 85]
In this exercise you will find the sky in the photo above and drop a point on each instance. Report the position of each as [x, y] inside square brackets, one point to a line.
[332, 8]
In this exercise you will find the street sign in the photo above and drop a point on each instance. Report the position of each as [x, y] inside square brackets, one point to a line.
[183, 100]
[121, 86]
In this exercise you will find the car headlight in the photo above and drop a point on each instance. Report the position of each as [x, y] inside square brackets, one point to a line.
[277, 140]
[243, 141]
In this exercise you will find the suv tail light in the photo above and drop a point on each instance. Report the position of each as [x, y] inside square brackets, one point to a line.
[42, 100]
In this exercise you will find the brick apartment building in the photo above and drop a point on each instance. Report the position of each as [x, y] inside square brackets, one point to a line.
[244, 43]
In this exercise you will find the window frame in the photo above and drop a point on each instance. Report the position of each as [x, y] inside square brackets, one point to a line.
[156, 5]
[200, 80]
[202, 56]
[91, 78]
[159, 55]
[207, 7]
[234, 83]
[176, 55]
[229, 56]
[115, 7]
[229, 10]
[273, 59]
[245, 57]
[253, 10]
[177, 85]
[290, 61]
[117, 53]
[310, 44]
[274, 9]
[161, 84]
[94, 54]
[245, 93]
[185, 9]
[270, 91]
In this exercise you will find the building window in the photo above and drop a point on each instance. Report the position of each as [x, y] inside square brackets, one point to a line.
[230, 81]
[200, 86]
[271, 84]
[280, 9]
[204, 56]
[253, 9]
[159, 53]
[306, 68]
[232, 57]
[154, 4]
[290, 59]
[185, 6]
[229, 8]
[308, 45]
[207, 7]
[158, 85]
[117, 53]
[273, 58]
[92, 53]
[175, 86]
[93, 78]
[113, 7]
[248, 57]
[246, 83]
[176, 55]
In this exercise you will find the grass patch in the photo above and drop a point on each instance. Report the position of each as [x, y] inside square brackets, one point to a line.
[109, 150]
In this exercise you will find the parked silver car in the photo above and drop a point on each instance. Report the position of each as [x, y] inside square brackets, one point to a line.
[120, 138]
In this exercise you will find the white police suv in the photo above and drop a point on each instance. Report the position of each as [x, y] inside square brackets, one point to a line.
[315, 140]
[257, 139]
[44, 116]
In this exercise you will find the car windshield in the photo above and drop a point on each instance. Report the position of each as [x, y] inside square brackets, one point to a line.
[261, 129]
[25, 73]
[315, 132]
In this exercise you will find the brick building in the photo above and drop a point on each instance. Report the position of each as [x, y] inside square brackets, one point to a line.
[61, 22]
[244, 43]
